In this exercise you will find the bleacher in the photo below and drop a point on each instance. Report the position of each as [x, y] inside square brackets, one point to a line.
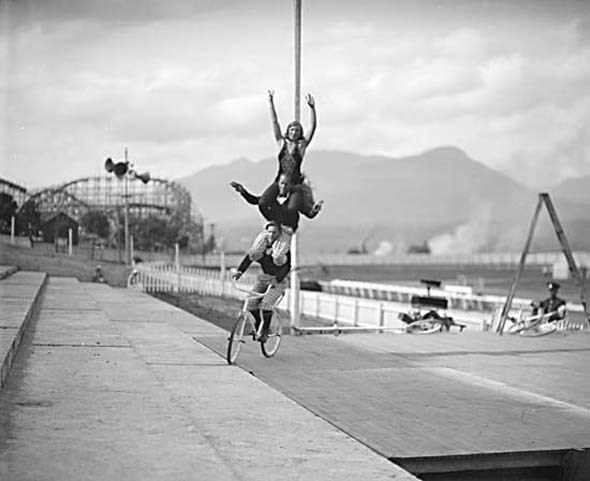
[20, 296]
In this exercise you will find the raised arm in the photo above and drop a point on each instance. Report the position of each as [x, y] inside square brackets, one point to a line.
[273, 115]
[250, 198]
[311, 103]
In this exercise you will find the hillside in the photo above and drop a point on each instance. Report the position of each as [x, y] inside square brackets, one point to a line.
[574, 190]
[441, 196]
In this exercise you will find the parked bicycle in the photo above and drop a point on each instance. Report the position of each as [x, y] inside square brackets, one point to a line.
[246, 326]
[533, 326]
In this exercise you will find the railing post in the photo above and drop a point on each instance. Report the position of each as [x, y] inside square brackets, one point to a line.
[380, 315]
[177, 265]
[317, 306]
[12, 228]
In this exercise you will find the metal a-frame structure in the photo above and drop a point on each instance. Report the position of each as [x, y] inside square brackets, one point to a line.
[545, 199]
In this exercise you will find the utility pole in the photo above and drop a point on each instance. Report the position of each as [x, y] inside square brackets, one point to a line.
[126, 195]
[294, 298]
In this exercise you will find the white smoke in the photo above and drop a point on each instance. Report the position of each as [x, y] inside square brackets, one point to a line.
[469, 238]
[387, 248]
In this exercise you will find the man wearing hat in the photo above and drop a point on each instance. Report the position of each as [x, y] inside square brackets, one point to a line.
[553, 304]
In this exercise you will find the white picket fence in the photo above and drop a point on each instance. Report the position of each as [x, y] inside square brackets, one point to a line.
[345, 303]
[492, 259]
[326, 307]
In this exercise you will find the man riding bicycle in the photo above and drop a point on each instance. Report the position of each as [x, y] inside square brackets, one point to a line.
[272, 275]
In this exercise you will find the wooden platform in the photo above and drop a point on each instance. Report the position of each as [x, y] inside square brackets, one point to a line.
[468, 396]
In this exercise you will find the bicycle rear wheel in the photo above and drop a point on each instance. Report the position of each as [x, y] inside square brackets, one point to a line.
[236, 338]
[275, 331]
[539, 330]
[424, 326]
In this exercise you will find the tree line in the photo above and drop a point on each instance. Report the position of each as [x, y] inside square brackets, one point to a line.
[149, 233]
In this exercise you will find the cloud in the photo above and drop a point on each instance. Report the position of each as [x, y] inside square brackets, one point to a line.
[190, 79]
[120, 12]
[463, 43]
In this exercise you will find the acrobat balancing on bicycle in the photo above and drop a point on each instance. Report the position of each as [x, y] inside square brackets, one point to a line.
[272, 275]
[281, 204]
[290, 194]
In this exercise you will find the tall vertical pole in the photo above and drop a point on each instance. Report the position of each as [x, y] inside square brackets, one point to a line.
[126, 195]
[297, 58]
[294, 297]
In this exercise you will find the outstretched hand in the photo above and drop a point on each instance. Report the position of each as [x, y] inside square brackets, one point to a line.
[317, 207]
[235, 274]
[310, 101]
[271, 95]
[237, 186]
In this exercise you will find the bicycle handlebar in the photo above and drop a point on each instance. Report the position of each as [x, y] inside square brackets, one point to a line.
[251, 293]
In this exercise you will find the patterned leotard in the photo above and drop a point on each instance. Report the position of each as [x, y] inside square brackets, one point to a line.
[290, 164]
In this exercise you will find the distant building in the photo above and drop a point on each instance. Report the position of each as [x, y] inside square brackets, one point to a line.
[57, 226]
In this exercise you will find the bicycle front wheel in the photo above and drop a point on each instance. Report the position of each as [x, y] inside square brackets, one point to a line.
[275, 331]
[236, 338]
[425, 326]
[539, 330]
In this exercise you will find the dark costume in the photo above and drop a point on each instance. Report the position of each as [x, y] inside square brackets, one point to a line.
[301, 197]
[269, 271]
[551, 304]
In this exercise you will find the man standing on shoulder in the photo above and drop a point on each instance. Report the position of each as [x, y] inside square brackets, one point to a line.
[272, 275]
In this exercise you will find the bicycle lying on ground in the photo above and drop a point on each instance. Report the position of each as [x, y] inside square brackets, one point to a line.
[534, 326]
[428, 323]
[246, 326]
[432, 321]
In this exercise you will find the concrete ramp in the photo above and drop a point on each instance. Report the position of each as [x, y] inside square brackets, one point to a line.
[111, 385]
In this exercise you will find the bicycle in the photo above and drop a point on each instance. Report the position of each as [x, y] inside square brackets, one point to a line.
[534, 326]
[245, 326]
[430, 323]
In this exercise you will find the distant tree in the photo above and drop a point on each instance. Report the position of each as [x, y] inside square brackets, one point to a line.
[28, 218]
[419, 249]
[96, 222]
[8, 208]
[154, 232]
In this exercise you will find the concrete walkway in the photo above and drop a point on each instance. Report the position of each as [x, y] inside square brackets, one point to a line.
[110, 384]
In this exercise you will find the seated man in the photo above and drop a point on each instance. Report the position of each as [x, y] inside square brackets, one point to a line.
[553, 304]
[98, 277]
[272, 275]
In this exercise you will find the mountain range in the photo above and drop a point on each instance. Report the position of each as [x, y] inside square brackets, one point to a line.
[441, 198]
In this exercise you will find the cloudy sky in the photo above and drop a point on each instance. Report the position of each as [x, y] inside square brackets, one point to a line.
[183, 83]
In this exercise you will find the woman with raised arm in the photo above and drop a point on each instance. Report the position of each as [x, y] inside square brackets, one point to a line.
[292, 146]
[290, 193]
